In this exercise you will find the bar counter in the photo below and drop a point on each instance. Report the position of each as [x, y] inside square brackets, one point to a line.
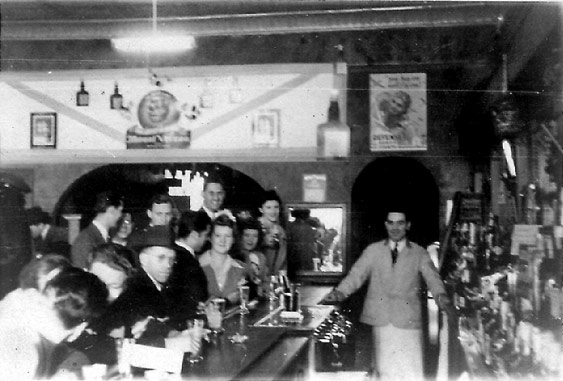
[271, 348]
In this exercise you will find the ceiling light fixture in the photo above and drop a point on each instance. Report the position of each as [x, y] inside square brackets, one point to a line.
[156, 42]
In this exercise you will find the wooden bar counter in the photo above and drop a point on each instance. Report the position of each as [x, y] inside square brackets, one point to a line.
[271, 346]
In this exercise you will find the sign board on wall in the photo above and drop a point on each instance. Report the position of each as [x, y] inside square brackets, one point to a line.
[159, 123]
[292, 98]
[398, 112]
[314, 188]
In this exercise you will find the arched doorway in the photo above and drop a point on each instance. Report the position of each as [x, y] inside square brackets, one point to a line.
[394, 181]
[139, 182]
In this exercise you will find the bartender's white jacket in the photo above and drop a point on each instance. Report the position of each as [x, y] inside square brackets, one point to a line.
[393, 294]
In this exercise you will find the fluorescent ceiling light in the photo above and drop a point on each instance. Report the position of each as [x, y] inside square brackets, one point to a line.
[154, 44]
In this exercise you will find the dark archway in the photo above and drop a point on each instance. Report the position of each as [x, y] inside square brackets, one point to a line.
[139, 182]
[394, 181]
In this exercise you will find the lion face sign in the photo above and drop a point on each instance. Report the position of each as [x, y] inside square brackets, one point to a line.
[158, 109]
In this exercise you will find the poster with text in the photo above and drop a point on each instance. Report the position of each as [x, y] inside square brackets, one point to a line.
[398, 112]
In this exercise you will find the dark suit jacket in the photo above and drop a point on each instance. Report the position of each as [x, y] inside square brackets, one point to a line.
[141, 299]
[84, 244]
[55, 242]
[188, 281]
[301, 247]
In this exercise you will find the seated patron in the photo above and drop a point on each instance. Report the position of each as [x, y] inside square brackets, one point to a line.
[222, 271]
[39, 271]
[146, 301]
[111, 268]
[33, 324]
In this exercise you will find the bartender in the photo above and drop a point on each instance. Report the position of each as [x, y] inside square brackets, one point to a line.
[392, 306]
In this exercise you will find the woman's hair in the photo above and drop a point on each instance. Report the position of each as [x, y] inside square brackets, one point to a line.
[30, 274]
[270, 195]
[79, 296]
[251, 224]
[107, 254]
[223, 220]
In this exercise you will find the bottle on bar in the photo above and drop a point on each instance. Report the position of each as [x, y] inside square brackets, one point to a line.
[285, 290]
[296, 298]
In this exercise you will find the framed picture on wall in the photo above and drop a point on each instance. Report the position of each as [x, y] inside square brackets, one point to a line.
[266, 128]
[43, 130]
[398, 112]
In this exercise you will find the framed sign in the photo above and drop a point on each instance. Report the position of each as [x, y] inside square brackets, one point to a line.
[314, 188]
[397, 112]
[43, 130]
[266, 128]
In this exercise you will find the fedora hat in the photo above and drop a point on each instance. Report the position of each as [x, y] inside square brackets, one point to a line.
[157, 236]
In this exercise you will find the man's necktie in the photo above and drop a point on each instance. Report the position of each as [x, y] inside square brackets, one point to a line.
[395, 253]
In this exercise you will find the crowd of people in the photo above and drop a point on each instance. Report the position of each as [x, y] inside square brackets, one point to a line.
[117, 281]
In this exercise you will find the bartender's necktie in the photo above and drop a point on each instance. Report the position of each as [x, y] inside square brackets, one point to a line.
[395, 252]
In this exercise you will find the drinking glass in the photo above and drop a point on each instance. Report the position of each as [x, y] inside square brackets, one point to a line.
[273, 286]
[122, 349]
[94, 372]
[244, 292]
[195, 331]
[215, 312]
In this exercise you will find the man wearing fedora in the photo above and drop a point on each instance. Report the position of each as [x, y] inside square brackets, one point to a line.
[146, 297]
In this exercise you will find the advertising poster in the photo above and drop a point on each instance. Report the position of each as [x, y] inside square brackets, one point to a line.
[398, 112]
[159, 123]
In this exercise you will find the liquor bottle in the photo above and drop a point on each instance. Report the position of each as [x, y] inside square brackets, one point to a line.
[116, 99]
[82, 96]
[333, 136]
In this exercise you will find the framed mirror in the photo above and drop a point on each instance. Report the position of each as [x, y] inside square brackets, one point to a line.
[316, 239]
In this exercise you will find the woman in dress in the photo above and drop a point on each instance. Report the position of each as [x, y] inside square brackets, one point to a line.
[251, 236]
[274, 245]
[223, 273]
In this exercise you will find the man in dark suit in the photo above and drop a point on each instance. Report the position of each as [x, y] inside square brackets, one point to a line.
[108, 208]
[188, 280]
[159, 212]
[47, 239]
[301, 248]
[147, 301]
